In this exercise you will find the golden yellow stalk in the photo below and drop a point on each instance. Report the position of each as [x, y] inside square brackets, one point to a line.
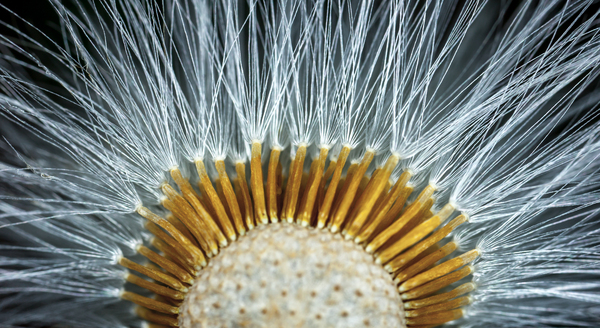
[149, 303]
[234, 207]
[310, 195]
[286, 192]
[293, 185]
[439, 270]
[168, 301]
[321, 192]
[398, 194]
[181, 227]
[437, 284]
[365, 187]
[408, 215]
[272, 201]
[421, 265]
[279, 185]
[436, 318]
[342, 188]
[203, 197]
[154, 274]
[172, 254]
[392, 214]
[415, 235]
[449, 305]
[340, 214]
[380, 199]
[155, 288]
[256, 182]
[331, 190]
[174, 248]
[192, 197]
[240, 169]
[164, 263]
[221, 194]
[424, 214]
[179, 213]
[199, 258]
[161, 320]
[425, 302]
[174, 259]
[365, 206]
[307, 179]
[406, 257]
[186, 214]
[215, 201]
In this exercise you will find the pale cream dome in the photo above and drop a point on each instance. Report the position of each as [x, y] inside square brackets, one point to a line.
[284, 275]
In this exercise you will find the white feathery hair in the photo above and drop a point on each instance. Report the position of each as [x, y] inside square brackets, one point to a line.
[495, 105]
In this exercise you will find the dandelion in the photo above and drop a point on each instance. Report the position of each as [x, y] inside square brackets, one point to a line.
[301, 163]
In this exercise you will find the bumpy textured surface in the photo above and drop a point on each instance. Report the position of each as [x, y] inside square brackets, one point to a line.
[283, 275]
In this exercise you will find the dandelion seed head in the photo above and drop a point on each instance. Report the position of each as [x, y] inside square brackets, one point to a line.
[453, 146]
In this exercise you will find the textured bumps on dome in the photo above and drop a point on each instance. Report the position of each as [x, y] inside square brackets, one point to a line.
[298, 273]
[283, 275]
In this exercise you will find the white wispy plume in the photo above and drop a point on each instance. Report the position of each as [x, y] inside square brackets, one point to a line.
[494, 105]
